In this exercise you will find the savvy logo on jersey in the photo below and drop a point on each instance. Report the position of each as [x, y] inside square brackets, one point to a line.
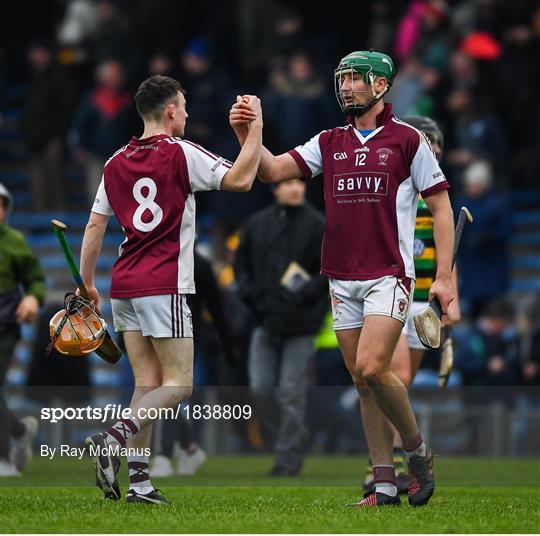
[360, 184]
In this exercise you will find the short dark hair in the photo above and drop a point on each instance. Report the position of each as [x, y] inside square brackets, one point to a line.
[155, 93]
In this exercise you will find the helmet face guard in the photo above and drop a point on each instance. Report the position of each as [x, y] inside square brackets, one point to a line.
[77, 329]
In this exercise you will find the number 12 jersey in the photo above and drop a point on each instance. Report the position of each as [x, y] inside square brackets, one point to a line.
[371, 187]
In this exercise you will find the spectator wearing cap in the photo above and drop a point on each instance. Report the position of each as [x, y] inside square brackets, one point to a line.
[483, 254]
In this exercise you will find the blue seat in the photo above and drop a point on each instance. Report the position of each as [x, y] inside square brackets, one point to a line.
[530, 284]
[529, 217]
[526, 239]
[11, 178]
[525, 197]
[526, 261]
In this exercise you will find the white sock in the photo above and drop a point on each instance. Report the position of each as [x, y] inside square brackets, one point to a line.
[420, 451]
[139, 477]
[122, 430]
[142, 490]
[386, 488]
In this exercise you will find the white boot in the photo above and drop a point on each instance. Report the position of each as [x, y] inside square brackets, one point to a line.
[21, 449]
[189, 463]
[8, 469]
[161, 467]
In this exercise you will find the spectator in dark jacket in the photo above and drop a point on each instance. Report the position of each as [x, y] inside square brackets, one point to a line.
[105, 120]
[48, 107]
[277, 270]
[484, 252]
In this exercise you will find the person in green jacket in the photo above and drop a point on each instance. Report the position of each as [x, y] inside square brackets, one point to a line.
[22, 290]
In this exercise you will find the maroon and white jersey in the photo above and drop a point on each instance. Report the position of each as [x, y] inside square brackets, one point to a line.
[149, 185]
[371, 187]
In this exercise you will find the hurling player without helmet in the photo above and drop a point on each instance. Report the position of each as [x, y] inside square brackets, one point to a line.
[77, 329]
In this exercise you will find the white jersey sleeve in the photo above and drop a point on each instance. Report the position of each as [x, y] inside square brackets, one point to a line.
[425, 170]
[309, 157]
[205, 169]
[101, 202]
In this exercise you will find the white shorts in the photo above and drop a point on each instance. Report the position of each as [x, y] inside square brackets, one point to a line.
[354, 300]
[409, 330]
[155, 316]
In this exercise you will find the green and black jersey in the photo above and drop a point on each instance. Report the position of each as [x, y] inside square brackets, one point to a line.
[425, 261]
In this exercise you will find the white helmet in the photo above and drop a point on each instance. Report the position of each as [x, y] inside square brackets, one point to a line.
[4, 192]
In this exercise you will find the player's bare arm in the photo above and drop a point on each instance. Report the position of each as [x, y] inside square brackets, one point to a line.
[90, 251]
[454, 310]
[443, 229]
[272, 168]
[241, 176]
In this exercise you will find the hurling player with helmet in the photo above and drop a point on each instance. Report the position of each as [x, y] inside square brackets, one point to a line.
[409, 350]
[373, 169]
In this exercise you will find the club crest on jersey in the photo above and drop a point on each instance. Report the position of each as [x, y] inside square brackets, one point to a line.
[402, 304]
[384, 153]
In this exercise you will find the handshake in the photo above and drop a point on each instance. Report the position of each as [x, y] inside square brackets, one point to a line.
[244, 112]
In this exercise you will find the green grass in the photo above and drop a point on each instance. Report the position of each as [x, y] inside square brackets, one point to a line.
[231, 494]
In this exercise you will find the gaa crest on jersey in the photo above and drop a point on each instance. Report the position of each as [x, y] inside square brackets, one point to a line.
[384, 153]
[418, 247]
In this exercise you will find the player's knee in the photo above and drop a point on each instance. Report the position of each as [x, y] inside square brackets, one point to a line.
[403, 373]
[147, 383]
[372, 374]
[358, 381]
[405, 377]
[178, 393]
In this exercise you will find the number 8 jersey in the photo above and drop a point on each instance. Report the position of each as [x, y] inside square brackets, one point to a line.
[149, 186]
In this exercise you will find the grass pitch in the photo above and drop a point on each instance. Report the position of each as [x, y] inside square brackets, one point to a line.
[232, 494]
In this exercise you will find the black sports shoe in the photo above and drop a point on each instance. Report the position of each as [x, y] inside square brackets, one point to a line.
[153, 497]
[377, 499]
[402, 482]
[106, 465]
[421, 480]
[279, 470]
[402, 475]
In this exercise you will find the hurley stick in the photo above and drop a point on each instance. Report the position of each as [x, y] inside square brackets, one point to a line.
[428, 322]
[108, 350]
